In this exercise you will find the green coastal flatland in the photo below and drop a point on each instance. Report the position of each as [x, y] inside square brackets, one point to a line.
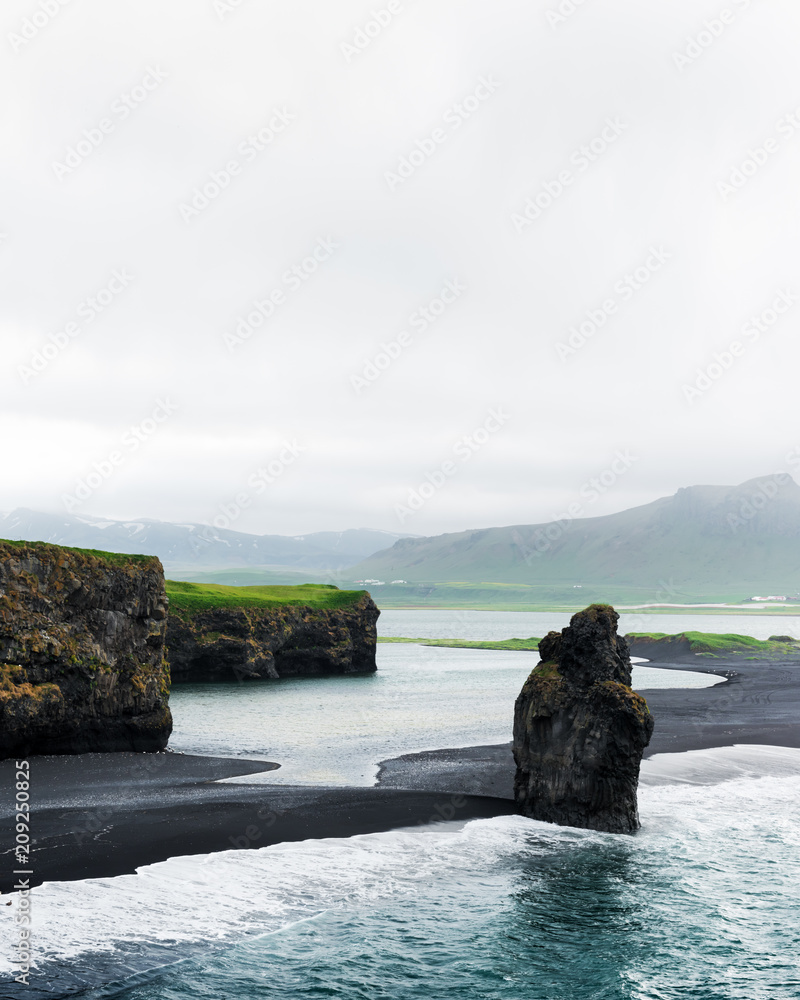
[728, 644]
[523, 645]
[189, 598]
[707, 644]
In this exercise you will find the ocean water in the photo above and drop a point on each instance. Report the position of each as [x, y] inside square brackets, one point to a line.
[702, 904]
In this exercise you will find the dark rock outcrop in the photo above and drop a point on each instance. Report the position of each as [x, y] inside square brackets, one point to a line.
[81, 651]
[579, 729]
[669, 647]
[225, 644]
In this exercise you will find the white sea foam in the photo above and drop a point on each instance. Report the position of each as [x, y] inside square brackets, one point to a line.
[228, 896]
[709, 767]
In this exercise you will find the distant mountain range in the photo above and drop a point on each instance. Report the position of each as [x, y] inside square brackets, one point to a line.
[703, 543]
[188, 548]
[723, 540]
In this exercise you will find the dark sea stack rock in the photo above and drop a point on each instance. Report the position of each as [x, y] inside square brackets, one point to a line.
[579, 729]
[244, 643]
[82, 663]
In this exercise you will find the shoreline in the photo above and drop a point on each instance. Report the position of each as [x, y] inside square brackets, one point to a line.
[749, 610]
[758, 702]
[103, 815]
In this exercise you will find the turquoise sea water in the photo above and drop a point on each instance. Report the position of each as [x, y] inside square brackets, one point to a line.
[702, 904]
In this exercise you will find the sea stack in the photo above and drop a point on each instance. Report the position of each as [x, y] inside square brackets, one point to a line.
[82, 664]
[579, 729]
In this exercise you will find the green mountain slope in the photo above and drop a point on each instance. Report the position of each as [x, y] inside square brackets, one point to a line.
[705, 541]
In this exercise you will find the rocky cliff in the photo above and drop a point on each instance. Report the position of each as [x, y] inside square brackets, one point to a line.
[81, 651]
[225, 643]
[579, 729]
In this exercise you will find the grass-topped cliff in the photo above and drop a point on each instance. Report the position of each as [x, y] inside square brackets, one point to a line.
[189, 598]
[219, 633]
[115, 558]
[711, 644]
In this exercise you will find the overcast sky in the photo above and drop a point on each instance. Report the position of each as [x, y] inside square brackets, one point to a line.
[629, 165]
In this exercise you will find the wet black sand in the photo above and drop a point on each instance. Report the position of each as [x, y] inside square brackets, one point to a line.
[95, 815]
[757, 702]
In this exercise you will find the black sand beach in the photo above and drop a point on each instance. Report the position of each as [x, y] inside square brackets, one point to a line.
[757, 702]
[97, 815]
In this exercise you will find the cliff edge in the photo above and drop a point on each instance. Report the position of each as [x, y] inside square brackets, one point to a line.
[239, 633]
[81, 651]
[579, 729]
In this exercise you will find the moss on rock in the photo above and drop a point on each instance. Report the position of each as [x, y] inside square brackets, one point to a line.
[82, 663]
[579, 729]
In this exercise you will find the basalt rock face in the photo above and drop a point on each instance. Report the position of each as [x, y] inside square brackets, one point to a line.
[579, 729]
[82, 663]
[225, 644]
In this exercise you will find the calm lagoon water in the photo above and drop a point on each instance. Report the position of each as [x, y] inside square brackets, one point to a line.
[336, 730]
[443, 624]
[702, 904]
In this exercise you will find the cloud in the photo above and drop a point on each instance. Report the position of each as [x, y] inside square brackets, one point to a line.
[223, 75]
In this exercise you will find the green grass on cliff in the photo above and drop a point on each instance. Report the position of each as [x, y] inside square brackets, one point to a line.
[712, 644]
[117, 558]
[189, 598]
[521, 645]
